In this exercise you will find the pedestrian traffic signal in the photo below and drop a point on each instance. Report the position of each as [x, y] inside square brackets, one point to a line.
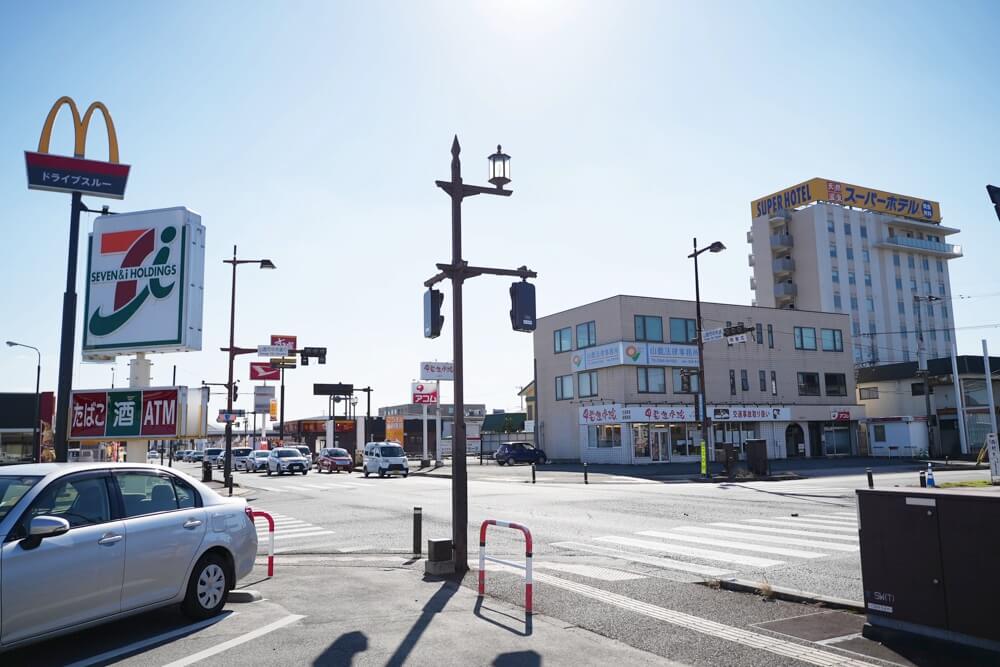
[433, 319]
[235, 391]
[994, 193]
[522, 306]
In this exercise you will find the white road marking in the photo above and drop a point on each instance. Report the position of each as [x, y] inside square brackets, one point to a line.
[656, 561]
[788, 531]
[853, 520]
[591, 571]
[844, 523]
[364, 547]
[296, 487]
[283, 536]
[235, 641]
[730, 544]
[708, 627]
[321, 487]
[268, 488]
[293, 531]
[135, 647]
[707, 554]
[804, 524]
[842, 638]
[774, 539]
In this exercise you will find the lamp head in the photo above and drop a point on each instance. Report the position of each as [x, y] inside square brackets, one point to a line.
[717, 247]
[267, 264]
[11, 343]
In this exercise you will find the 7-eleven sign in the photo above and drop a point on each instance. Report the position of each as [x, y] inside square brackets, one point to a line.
[262, 370]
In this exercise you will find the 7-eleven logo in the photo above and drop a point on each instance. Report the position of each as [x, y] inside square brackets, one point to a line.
[135, 247]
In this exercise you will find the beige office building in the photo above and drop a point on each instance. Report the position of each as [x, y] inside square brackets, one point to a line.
[835, 247]
[617, 378]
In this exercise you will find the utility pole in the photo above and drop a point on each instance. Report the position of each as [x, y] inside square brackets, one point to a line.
[932, 447]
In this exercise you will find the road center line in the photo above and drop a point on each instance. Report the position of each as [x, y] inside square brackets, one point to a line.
[235, 641]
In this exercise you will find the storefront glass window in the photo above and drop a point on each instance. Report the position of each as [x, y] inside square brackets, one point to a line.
[606, 436]
[640, 439]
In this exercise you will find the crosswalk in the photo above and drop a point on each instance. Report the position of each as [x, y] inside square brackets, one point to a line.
[723, 549]
[304, 487]
[289, 530]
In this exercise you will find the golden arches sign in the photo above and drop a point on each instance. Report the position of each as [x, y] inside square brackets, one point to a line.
[59, 173]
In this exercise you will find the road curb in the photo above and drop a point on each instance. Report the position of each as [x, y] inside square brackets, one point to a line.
[244, 596]
[788, 594]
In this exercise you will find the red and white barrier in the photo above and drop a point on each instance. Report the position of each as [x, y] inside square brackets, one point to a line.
[270, 539]
[527, 558]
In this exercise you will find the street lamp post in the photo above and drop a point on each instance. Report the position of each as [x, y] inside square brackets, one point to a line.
[459, 271]
[36, 444]
[701, 406]
[264, 264]
[922, 367]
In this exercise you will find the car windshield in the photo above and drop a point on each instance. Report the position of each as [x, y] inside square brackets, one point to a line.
[284, 453]
[338, 452]
[391, 450]
[213, 452]
[241, 452]
[261, 454]
[12, 489]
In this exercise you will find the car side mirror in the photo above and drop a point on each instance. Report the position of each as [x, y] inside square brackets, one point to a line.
[47, 526]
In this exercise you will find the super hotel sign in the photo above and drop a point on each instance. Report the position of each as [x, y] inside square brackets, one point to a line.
[822, 189]
[58, 173]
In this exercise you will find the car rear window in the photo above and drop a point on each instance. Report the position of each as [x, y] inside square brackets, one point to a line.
[212, 452]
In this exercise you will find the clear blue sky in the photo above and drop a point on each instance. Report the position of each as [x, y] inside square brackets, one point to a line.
[312, 132]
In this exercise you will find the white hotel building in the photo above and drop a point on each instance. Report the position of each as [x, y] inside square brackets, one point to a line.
[833, 247]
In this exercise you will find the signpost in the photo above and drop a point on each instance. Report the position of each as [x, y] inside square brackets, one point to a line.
[273, 350]
[290, 344]
[711, 335]
[437, 370]
[993, 449]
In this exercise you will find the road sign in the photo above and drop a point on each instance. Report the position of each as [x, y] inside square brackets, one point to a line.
[283, 362]
[290, 341]
[262, 397]
[229, 416]
[273, 350]
[993, 449]
[424, 393]
[261, 370]
[437, 370]
[711, 335]
[333, 389]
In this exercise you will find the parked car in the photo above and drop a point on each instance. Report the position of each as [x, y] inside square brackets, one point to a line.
[126, 538]
[153, 456]
[518, 452]
[197, 456]
[257, 460]
[213, 455]
[240, 455]
[385, 458]
[334, 459]
[287, 459]
[308, 453]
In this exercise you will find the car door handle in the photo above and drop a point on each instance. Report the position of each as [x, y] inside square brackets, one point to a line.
[191, 524]
[109, 538]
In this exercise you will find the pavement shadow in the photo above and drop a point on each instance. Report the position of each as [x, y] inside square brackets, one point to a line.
[809, 497]
[518, 659]
[342, 651]
[433, 606]
[478, 611]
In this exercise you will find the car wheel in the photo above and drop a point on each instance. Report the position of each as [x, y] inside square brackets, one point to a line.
[542, 459]
[305, 472]
[501, 462]
[207, 588]
[366, 473]
[280, 472]
[269, 472]
[406, 474]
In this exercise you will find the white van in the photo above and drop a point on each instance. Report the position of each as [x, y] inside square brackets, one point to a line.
[385, 458]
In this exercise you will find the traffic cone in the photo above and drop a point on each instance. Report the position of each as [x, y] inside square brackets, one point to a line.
[930, 475]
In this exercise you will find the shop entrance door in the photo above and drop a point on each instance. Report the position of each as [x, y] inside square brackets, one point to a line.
[660, 444]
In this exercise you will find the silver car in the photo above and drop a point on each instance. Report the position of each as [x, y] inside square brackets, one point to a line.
[89, 543]
[287, 459]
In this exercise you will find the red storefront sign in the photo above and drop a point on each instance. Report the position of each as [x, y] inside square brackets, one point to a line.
[89, 414]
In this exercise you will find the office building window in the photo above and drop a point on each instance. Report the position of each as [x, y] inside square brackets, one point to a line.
[899, 283]
[564, 387]
[851, 280]
[940, 266]
[870, 303]
[947, 335]
[682, 330]
[685, 380]
[944, 312]
[759, 333]
[744, 380]
[762, 379]
[833, 340]
[895, 259]
[930, 309]
[770, 337]
[833, 250]
[836, 301]
[586, 335]
[864, 232]
[652, 380]
[910, 262]
[835, 276]
[854, 303]
[732, 382]
[901, 307]
[774, 383]
[586, 383]
[913, 284]
[808, 384]
[868, 280]
[865, 255]
[926, 264]
[927, 287]
[941, 290]
[868, 393]
[805, 338]
[850, 252]
[856, 328]
[847, 228]
[836, 384]
[563, 340]
[649, 327]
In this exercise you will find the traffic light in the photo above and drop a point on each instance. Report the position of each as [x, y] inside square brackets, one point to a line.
[994, 193]
[236, 391]
[522, 306]
[433, 319]
[305, 360]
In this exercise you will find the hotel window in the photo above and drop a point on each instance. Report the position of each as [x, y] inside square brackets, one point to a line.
[865, 255]
[930, 309]
[682, 330]
[744, 380]
[808, 384]
[759, 331]
[927, 287]
[564, 387]
[805, 338]
[651, 380]
[910, 262]
[770, 337]
[899, 283]
[926, 263]
[685, 380]
[833, 250]
[563, 340]
[836, 384]
[850, 252]
[851, 280]
[830, 226]
[870, 302]
[944, 312]
[854, 303]
[864, 232]
[913, 284]
[940, 266]
[868, 280]
[586, 382]
[649, 327]
[774, 383]
[835, 276]
[833, 340]
[586, 335]
[868, 393]
[941, 290]
[762, 378]
[902, 307]
[732, 382]
[895, 259]
[837, 304]
[847, 228]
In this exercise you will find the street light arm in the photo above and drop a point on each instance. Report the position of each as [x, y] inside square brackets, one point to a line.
[464, 190]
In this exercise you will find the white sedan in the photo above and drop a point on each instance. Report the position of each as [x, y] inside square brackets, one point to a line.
[91, 543]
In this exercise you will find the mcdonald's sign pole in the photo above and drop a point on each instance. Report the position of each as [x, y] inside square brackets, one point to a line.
[77, 176]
